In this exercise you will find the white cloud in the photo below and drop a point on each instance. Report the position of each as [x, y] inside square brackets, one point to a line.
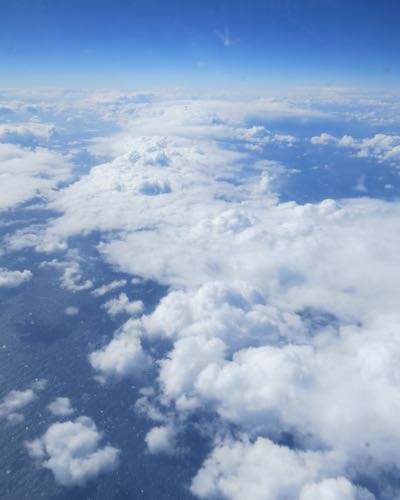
[383, 147]
[324, 138]
[121, 304]
[32, 237]
[15, 401]
[102, 290]
[282, 318]
[61, 407]
[26, 173]
[123, 356]
[16, 132]
[265, 471]
[160, 439]
[334, 489]
[13, 279]
[71, 278]
[72, 451]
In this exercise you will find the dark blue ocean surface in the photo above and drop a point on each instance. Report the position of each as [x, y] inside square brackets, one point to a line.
[39, 341]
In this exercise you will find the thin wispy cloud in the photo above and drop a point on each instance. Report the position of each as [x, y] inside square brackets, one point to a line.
[225, 37]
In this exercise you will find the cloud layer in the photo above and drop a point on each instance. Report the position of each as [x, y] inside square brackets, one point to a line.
[281, 319]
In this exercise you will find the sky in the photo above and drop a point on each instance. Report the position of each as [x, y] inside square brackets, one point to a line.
[206, 43]
[199, 283]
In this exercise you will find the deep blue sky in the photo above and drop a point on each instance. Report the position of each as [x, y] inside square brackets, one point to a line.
[180, 43]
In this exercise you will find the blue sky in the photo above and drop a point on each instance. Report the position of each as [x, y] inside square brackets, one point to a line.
[184, 43]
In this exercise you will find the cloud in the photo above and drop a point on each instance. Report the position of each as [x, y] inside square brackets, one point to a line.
[264, 470]
[102, 290]
[334, 489]
[32, 237]
[160, 440]
[25, 132]
[15, 401]
[382, 147]
[27, 173]
[73, 453]
[61, 407]
[280, 320]
[121, 304]
[225, 38]
[123, 356]
[71, 310]
[12, 279]
[71, 278]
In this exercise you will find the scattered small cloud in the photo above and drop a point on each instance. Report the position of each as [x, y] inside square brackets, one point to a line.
[102, 290]
[122, 304]
[16, 400]
[72, 451]
[61, 407]
[13, 279]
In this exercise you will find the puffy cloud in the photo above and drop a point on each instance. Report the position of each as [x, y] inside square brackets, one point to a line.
[264, 470]
[281, 318]
[15, 401]
[123, 356]
[25, 132]
[102, 290]
[61, 407]
[383, 147]
[72, 451]
[334, 489]
[160, 439]
[13, 279]
[121, 304]
[32, 237]
[324, 138]
[26, 173]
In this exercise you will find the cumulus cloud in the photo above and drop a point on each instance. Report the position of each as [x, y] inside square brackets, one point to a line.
[121, 304]
[72, 451]
[124, 356]
[265, 471]
[32, 237]
[160, 439]
[334, 489]
[16, 400]
[26, 173]
[25, 132]
[102, 290]
[383, 147]
[61, 407]
[281, 318]
[12, 279]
